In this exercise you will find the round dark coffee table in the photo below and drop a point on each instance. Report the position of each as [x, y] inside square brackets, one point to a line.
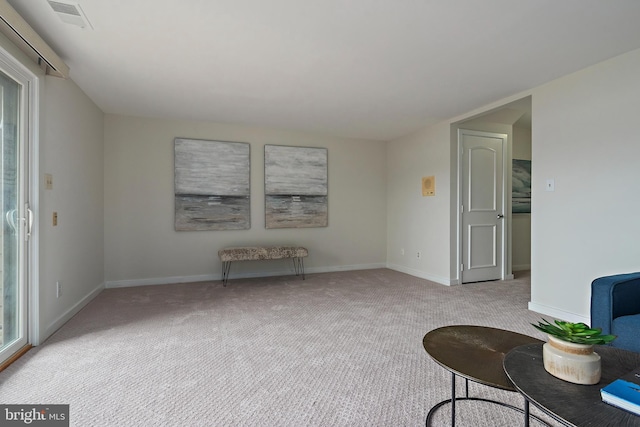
[571, 404]
[474, 353]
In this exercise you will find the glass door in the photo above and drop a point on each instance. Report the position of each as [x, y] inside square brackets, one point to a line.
[16, 218]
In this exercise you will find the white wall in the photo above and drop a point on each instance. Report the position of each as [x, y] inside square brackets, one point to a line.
[428, 224]
[141, 246]
[521, 222]
[416, 223]
[71, 149]
[586, 136]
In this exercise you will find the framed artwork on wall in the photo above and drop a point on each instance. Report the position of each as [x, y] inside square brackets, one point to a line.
[212, 185]
[296, 187]
[521, 186]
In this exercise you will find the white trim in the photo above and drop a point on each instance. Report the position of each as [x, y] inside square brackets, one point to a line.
[558, 314]
[459, 255]
[160, 281]
[66, 316]
[34, 201]
[244, 275]
[422, 275]
[351, 267]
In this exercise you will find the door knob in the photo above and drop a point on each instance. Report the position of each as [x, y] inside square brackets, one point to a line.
[500, 216]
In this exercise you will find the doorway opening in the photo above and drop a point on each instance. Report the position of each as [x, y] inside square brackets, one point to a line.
[514, 121]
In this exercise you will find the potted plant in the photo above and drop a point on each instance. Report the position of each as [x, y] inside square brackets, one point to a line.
[569, 354]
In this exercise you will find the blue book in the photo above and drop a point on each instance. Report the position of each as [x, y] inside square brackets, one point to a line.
[624, 392]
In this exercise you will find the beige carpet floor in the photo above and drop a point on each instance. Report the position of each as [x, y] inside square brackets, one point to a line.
[337, 349]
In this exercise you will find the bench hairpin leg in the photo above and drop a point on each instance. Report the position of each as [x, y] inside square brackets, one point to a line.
[226, 267]
[298, 265]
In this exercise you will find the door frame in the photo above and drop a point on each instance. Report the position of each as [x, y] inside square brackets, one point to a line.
[30, 126]
[506, 201]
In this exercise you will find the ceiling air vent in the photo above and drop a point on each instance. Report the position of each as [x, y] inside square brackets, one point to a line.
[71, 13]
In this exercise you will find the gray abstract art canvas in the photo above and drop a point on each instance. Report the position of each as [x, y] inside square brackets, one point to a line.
[521, 186]
[212, 185]
[296, 187]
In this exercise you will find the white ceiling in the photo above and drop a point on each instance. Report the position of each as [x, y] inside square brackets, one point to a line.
[375, 69]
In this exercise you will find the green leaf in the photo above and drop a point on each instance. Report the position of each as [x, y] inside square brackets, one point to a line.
[579, 333]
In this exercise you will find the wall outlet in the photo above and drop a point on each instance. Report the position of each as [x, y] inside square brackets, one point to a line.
[419, 255]
[402, 252]
[58, 289]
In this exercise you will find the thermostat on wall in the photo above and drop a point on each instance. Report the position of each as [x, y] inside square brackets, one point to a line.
[429, 185]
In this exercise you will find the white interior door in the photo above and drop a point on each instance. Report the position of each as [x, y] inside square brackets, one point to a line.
[482, 209]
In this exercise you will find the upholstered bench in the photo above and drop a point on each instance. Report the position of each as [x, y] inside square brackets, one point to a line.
[255, 253]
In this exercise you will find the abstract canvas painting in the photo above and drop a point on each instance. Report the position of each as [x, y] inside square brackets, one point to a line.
[296, 187]
[521, 186]
[212, 185]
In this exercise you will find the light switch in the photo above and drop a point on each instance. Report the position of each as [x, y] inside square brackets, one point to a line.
[551, 185]
[48, 181]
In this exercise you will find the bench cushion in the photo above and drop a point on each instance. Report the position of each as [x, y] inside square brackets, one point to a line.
[250, 253]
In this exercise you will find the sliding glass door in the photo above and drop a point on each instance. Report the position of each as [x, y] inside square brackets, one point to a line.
[16, 217]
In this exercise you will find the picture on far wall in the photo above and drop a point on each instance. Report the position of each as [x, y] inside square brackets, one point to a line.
[295, 186]
[212, 185]
[521, 186]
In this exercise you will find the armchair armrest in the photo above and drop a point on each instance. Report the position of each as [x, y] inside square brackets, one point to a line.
[614, 296]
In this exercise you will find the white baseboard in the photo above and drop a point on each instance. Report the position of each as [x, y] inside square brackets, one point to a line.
[558, 314]
[351, 267]
[66, 316]
[421, 274]
[244, 275]
[161, 281]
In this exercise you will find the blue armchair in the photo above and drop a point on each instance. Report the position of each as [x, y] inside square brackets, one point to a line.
[615, 307]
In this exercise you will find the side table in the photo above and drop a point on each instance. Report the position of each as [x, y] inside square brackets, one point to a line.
[475, 353]
[571, 404]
